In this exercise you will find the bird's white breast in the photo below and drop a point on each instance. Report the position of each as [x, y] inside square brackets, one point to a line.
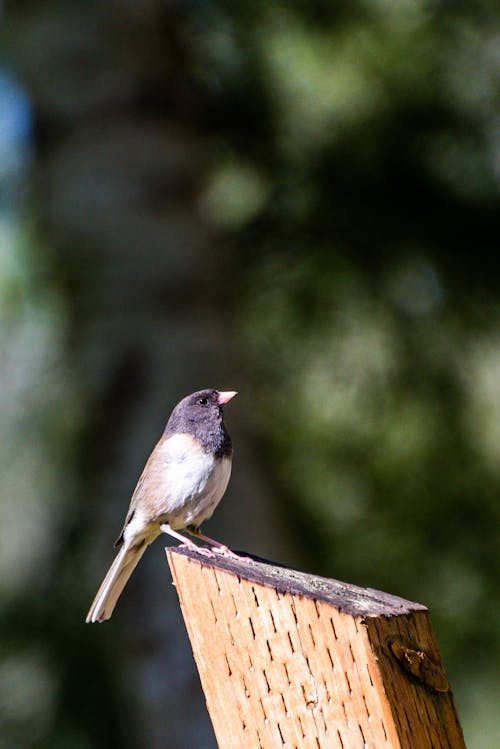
[191, 481]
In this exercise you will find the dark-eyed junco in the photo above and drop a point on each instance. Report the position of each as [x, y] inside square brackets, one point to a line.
[181, 485]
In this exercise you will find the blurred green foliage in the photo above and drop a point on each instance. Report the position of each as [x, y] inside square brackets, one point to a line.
[356, 182]
[352, 161]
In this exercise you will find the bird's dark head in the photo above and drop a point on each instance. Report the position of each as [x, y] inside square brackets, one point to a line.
[201, 415]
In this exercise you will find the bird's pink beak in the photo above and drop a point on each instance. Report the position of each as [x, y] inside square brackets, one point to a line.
[225, 396]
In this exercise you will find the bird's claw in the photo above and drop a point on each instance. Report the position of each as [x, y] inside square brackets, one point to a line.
[225, 551]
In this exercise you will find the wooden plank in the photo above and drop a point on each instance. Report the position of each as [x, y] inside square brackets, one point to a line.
[297, 661]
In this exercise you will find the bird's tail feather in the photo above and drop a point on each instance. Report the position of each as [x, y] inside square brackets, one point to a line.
[116, 578]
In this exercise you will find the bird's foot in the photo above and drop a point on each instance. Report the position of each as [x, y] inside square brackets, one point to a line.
[225, 551]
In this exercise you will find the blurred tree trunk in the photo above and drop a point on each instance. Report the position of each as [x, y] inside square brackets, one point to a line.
[117, 169]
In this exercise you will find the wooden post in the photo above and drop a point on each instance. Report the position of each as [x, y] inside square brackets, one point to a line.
[292, 660]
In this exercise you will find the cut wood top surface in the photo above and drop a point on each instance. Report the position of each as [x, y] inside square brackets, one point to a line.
[350, 599]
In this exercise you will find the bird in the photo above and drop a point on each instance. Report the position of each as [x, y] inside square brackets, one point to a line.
[182, 483]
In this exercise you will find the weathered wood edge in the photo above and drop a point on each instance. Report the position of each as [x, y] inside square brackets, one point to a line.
[346, 598]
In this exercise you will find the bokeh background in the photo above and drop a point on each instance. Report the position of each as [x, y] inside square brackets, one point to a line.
[296, 200]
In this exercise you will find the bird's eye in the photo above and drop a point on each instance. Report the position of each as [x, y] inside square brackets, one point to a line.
[203, 401]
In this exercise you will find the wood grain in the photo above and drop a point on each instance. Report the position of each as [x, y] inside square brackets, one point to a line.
[293, 660]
